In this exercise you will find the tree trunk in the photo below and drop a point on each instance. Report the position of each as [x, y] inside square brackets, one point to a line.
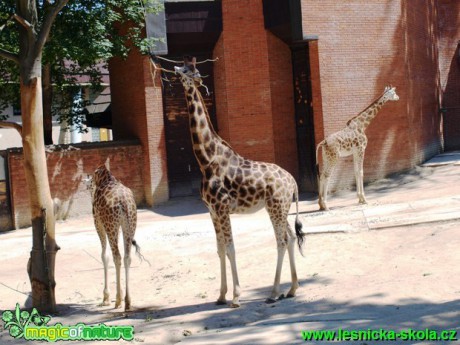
[42, 257]
[47, 104]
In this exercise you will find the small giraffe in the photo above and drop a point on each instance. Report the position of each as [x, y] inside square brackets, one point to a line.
[351, 140]
[233, 184]
[114, 206]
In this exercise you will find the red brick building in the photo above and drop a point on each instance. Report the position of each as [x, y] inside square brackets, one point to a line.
[291, 72]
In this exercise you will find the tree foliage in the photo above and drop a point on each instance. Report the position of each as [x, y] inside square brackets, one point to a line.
[84, 36]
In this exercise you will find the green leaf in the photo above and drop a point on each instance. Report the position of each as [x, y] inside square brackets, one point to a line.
[18, 313]
[86, 32]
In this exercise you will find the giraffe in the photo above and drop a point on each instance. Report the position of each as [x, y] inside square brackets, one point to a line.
[114, 206]
[233, 184]
[351, 140]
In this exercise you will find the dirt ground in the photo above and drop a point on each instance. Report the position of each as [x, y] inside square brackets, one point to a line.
[390, 264]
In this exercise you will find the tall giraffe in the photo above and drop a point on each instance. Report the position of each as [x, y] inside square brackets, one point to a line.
[114, 206]
[233, 184]
[351, 140]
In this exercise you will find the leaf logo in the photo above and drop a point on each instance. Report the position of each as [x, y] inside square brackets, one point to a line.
[16, 320]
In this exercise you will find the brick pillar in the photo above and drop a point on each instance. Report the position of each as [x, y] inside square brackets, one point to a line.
[137, 112]
[243, 98]
[254, 87]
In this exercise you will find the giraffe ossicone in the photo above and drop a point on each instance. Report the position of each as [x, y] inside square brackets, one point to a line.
[233, 184]
[351, 140]
[114, 206]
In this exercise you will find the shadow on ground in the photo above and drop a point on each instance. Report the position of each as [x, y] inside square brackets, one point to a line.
[181, 206]
[325, 314]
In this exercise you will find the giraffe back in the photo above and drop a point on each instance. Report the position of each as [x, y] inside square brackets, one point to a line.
[113, 202]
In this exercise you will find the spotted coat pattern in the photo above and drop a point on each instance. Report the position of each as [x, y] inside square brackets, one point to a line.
[233, 184]
[351, 140]
[114, 206]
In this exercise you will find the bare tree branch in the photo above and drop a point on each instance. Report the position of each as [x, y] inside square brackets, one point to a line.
[9, 55]
[23, 22]
[48, 22]
[7, 124]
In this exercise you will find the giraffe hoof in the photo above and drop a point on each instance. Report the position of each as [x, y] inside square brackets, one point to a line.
[104, 304]
[221, 302]
[281, 297]
[290, 295]
[270, 300]
[235, 305]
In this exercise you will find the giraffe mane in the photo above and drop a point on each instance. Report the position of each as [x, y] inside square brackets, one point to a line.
[211, 127]
[387, 88]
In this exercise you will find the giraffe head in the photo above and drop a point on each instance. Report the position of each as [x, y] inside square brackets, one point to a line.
[390, 94]
[101, 175]
[188, 73]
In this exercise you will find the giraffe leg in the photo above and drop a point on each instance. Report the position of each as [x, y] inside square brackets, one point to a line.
[322, 194]
[236, 283]
[294, 278]
[223, 273]
[358, 160]
[328, 169]
[322, 206]
[221, 251]
[225, 246]
[285, 239]
[127, 263]
[113, 240]
[276, 285]
[105, 261]
[128, 227]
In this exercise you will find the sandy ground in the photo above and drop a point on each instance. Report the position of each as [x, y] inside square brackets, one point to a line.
[390, 264]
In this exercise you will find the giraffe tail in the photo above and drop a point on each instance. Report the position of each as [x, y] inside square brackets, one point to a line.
[298, 225]
[138, 252]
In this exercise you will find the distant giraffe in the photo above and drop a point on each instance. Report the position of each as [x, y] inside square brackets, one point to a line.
[114, 206]
[233, 184]
[351, 140]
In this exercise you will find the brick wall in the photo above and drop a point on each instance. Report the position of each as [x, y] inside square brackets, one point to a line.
[449, 67]
[243, 97]
[363, 46]
[253, 83]
[67, 167]
[137, 107]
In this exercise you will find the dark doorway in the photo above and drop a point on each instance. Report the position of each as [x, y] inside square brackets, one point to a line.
[183, 171]
[451, 105]
[304, 117]
[6, 222]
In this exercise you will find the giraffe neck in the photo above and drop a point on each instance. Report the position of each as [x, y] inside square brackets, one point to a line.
[364, 118]
[205, 140]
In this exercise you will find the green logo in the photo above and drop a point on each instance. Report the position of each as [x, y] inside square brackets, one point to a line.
[33, 326]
